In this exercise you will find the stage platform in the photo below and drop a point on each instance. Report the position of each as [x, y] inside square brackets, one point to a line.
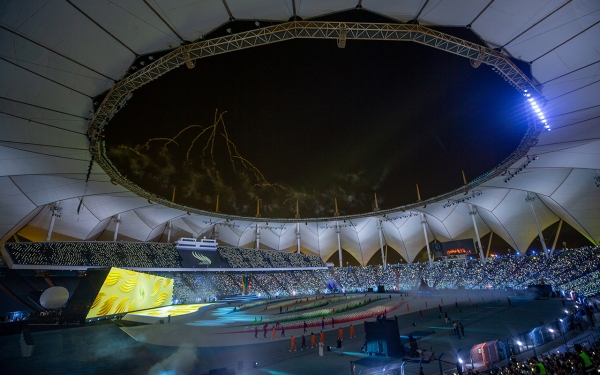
[175, 312]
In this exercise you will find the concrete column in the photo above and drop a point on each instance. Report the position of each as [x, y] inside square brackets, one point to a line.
[424, 223]
[472, 212]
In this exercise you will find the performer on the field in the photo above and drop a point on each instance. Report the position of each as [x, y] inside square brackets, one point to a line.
[352, 333]
[293, 344]
[313, 340]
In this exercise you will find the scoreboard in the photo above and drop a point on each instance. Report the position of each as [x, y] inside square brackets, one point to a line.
[451, 248]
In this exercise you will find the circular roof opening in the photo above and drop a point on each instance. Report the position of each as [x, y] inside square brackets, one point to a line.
[307, 121]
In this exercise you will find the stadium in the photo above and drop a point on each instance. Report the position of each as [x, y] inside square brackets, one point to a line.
[97, 203]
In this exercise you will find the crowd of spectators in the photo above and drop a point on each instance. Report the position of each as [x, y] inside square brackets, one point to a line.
[252, 258]
[562, 270]
[90, 254]
[145, 255]
[561, 363]
[565, 270]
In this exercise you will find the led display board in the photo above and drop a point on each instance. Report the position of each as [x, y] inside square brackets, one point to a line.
[125, 290]
[202, 259]
[451, 248]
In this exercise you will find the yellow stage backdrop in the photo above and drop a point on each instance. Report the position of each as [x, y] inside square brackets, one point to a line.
[125, 290]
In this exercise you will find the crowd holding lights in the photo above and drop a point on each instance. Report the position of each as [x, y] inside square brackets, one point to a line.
[145, 255]
[251, 258]
[561, 363]
[570, 270]
[564, 270]
[86, 254]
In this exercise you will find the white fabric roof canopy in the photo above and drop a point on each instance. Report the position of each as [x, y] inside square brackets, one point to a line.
[55, 56]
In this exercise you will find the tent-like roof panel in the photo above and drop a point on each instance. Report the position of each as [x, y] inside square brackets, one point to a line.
[55, 56]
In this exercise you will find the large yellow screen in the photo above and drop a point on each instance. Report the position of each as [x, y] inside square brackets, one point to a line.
[125, 290]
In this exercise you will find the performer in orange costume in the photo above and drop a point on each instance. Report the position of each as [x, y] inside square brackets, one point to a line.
[274, 335]
[313, 340]
[293, 343]
[352, 333]
[341, 333]
[322, 338]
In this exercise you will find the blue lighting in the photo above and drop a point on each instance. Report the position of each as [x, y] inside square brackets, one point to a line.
[536, 108]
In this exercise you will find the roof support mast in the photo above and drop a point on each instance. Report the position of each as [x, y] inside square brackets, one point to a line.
[530, 199]
[297, 216]
[337, 231]
[557, 234]
[380, 230]
[257, 237]
[56, 211]
[424, 223]
[117, 221]
[473, 212]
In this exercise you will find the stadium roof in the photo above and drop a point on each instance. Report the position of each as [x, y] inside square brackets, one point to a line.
[56, 56]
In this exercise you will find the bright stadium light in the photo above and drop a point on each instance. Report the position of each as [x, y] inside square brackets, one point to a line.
[538, 111]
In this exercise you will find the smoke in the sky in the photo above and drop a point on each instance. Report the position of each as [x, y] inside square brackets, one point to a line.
[179, 363]
[202, 162]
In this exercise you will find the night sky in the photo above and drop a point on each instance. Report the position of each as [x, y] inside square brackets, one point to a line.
[309, 121]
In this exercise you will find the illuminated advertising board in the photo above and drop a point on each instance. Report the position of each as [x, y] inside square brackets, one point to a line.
[453, 248]
[125, 290]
